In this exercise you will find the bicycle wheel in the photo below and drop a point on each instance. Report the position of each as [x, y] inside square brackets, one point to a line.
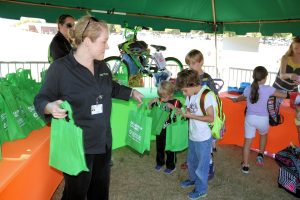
[119, 69]
[174, 66]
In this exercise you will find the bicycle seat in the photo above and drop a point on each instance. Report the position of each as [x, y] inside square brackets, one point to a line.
[158, 47]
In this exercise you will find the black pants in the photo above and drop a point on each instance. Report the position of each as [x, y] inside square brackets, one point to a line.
[92, 185]
[160, 152]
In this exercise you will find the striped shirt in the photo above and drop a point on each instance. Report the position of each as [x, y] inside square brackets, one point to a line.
[288, 84]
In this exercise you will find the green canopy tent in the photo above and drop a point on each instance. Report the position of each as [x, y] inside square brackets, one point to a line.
[240, 16]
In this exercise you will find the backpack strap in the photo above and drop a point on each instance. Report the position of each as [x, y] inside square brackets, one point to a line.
[220, 107]
[219, 103]
[202, 98]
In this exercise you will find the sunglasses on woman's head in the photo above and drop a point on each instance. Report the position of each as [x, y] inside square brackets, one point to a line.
[91, 18]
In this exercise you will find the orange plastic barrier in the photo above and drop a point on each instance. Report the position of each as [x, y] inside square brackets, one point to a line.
[24, 170]
[279, 136]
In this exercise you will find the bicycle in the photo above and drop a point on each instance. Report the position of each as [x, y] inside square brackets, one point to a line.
[136, 61]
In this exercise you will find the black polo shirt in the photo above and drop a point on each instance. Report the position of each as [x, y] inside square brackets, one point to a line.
[66, 79]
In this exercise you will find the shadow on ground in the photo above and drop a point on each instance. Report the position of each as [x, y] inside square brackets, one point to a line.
[133, 178]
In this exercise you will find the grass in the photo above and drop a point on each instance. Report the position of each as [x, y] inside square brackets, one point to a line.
[133, 177]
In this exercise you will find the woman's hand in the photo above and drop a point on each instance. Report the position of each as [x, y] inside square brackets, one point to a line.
[293, 76]
[54, 109]
[136, 95]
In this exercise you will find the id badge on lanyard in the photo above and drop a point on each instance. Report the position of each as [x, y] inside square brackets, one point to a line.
[98, 107]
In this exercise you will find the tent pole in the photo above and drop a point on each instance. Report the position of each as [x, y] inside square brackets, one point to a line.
[216, 49]
[215, 33]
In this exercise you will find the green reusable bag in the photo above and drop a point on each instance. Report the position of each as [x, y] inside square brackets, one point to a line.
[18, 127]
[32, 117]
[3, 122]
[66, 145]
[139, 130]
[159, 117]
[25, 102]
[22, 79]
[25, 81]
[177, 134]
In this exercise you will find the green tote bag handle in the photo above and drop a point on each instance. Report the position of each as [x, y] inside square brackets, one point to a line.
[65, 105]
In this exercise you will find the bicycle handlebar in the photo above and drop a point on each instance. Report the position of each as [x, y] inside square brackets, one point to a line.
[134, 30]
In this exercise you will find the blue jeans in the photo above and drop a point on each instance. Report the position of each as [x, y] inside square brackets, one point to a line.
[160, 76]
[199, 154]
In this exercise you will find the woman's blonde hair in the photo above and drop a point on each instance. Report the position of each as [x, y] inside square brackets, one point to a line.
[165, 88]
[87, 26]
[290, 51]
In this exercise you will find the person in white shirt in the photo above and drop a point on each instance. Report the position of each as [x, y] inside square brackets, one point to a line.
[200, 138]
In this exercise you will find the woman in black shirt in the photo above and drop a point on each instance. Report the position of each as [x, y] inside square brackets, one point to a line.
[83, 79]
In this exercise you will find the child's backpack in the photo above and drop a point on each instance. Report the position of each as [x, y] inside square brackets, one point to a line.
[275, 118]
[218, 126]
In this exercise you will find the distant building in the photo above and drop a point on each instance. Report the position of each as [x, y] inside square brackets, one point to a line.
[49, 30]
[37, 26]
[32, 28]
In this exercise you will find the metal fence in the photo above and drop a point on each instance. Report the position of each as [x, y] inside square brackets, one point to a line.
[35, 67]
[238, 75]
[211, 70]
[232, 76]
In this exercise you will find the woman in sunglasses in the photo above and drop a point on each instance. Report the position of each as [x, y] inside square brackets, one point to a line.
[84, 80]
[60, 45]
